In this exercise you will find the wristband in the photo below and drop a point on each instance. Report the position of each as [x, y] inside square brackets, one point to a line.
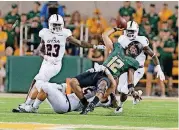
[115, 29]
[130, 86]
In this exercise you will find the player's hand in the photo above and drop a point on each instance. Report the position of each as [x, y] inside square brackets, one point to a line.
[92, 70]
[99, 68]
[160, 73]
[99, 47]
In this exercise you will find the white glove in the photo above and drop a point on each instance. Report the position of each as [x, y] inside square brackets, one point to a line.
[160, 73]
[97, 68]
[99, 47]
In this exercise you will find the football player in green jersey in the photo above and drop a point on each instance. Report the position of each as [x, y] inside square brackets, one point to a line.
[119, 61]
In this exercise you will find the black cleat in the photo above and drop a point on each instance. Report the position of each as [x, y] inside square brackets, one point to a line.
[16, 110]
[89, 108]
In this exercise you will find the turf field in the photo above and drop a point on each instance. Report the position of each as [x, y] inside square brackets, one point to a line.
[149, 114]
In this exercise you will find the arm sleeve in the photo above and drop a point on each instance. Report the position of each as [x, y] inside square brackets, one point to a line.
[41, 34]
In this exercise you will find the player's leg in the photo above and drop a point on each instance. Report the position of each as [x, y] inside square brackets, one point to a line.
[47, 71]
[123, 87]
[102, 86]
[52, 92]
[149, 79]
[57, 99]
[82, 80]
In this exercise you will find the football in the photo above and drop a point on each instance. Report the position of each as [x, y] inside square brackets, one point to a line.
[121, 22]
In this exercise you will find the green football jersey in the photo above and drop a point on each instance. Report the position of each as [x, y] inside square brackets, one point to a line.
[118, 63]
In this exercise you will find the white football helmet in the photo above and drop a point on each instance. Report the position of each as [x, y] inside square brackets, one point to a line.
[55, 23]
[132, 30]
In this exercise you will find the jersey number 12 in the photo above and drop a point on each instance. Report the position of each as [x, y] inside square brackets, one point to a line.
[115, 64]
[50, 49]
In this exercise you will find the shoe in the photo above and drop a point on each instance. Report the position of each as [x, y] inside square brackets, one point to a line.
[16, 110]
[137, 97]
[118, 110]
[30, 109]
[89, 108]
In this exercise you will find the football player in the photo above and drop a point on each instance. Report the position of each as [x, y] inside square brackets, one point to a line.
[53, 41]
[59, 101]
[130, 35]
[117, 63]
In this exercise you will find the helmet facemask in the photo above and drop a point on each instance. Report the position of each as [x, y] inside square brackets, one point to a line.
[132, 30]
[131, 34]
[55, 27]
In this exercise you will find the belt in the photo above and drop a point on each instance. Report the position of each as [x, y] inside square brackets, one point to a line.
[69, 109]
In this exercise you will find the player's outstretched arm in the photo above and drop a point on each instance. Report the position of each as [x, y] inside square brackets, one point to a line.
[107, 41]
[160, 73]
[84, 44]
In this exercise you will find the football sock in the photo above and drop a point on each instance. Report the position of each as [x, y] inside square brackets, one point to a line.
[95, 100]
[29, 101]
[84, 101]
[37, 103]
[121, 104]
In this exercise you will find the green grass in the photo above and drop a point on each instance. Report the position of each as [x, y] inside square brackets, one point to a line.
[149, 113]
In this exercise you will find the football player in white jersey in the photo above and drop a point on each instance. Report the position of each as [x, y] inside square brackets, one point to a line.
[131, 34]
[61, 102]
[52, 49]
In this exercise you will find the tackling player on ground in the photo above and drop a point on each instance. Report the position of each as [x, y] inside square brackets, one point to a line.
[131, 34]
[53, 41]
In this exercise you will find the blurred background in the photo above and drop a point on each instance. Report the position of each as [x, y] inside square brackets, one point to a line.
[20, 23]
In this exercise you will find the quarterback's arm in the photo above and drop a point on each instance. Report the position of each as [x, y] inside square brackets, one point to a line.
[107, 41]
[83, 43]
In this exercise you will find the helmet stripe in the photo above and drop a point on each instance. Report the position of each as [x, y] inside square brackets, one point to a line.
[57, 16]
[131, 24]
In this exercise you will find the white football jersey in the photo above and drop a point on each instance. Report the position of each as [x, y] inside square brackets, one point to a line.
[55, 43]
[124, 41]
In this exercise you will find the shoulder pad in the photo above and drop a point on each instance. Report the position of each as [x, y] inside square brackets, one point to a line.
[67, 32]
[42, 32]
[143, 40]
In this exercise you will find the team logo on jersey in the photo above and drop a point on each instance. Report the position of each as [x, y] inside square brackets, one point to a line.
[53, 40]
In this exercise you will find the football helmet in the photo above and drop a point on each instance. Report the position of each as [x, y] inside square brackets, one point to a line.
[56, 23]
[132, 30]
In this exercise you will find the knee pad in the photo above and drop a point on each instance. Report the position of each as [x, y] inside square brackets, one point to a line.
[102, 86]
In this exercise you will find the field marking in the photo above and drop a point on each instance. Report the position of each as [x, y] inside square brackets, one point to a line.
[41, 126]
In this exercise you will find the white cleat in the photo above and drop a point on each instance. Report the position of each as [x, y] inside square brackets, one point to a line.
[137, 100]
[118, 110]
[30, 109]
